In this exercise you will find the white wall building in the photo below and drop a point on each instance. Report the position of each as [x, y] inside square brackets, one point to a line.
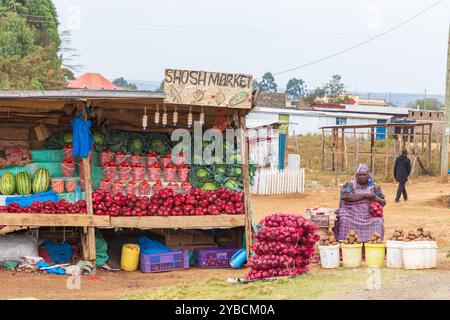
[303, 122]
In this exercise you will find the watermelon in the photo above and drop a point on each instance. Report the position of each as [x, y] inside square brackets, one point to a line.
[7, 184]
[23, 183]
[41, 181]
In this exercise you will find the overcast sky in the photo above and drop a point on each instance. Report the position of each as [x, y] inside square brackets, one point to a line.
[138, 39]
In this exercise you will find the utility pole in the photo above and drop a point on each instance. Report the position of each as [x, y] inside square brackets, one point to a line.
[424, 97]
[445, 136]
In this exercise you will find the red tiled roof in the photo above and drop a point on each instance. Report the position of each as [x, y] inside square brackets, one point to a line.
[92, 81]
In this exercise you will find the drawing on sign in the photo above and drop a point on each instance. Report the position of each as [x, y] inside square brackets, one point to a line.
[198, 94]
[204, 88]
[175, 93]
[238, 98]
[219, 97]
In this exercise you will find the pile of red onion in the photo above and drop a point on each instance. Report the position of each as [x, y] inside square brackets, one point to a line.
[283, 247]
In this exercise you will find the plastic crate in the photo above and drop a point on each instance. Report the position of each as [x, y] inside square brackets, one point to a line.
[175, 260]
[44, 155]
[214, 257]
[54, 168]
[28, 200]
[14, 170]
[69, 196]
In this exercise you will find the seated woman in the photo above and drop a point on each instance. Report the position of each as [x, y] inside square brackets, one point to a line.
[354, 207]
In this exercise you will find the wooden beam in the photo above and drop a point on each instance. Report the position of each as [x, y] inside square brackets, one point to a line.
[386, 137]
[90, 237]
[430, 138]
[246, 184]
[323, 150]
[183, 222]
[53, 220]
[372, 156]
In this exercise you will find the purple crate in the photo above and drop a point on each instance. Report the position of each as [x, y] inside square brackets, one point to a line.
[214, 257]
[177, 259]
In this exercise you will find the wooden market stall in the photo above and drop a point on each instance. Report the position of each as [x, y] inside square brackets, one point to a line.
[218, 98]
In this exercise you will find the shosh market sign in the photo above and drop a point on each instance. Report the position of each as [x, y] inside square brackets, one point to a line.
[208, 88]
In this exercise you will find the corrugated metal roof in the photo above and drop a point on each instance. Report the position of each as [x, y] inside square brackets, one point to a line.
[80, 94]
[313, 113]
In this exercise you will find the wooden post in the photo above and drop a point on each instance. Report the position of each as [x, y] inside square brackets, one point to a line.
[357, 151]
[430, 141]
[355, 161]
[323, 149]
[90, 237]
[386, 137]
[423, 140]
[372, 144]
[246, 182]
[345, 152]
[343, 149]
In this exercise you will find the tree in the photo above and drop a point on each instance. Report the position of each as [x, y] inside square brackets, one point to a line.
[335, 87]
[121, 82]
[295, 88]
[426, 104]
[268, 83]
[30, 55]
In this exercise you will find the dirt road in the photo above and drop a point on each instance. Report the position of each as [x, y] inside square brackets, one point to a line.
[426, 207]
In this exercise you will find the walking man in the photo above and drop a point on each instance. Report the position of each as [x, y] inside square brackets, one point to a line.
[402, 170]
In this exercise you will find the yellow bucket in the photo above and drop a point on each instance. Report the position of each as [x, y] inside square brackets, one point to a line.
[351, 255]
[375, 254]
[129, 260]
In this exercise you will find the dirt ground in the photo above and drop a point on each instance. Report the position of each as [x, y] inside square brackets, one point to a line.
[426, 207]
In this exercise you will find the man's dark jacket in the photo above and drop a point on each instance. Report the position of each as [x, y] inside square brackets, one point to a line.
[402, 168]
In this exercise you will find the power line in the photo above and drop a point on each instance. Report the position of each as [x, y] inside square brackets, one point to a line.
[230, 32]
[359, 44]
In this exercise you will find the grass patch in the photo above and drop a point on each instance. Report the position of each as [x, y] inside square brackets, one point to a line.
[317, 284]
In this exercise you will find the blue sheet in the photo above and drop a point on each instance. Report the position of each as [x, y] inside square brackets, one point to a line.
[149, 246]
[57, 270]
[82, 137]
[59, 252]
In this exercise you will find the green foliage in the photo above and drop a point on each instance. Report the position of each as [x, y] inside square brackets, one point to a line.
[268, 83]
[29, 46]
[335, 87]
[296, 88]
[121, 82]
[16, 38]
[426, 104]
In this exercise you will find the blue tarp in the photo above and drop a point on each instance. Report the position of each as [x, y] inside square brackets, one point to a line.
[82, 137]
[56, 270]
[59, 252]
[149, 246]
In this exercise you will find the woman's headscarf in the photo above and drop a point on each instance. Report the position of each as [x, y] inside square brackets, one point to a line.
[364, 169]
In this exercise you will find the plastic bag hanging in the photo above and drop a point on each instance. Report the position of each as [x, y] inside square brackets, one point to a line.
[82, 136]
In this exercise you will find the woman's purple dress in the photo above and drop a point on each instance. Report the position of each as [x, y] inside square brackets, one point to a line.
[356, 215]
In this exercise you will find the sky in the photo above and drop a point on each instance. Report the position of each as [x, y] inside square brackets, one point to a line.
[139, 39]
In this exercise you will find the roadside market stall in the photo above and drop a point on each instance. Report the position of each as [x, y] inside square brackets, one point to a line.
[131, 133]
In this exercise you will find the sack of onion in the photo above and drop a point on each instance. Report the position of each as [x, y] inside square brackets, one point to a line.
[284, 246]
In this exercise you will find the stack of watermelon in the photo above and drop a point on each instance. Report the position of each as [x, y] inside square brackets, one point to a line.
[22, 183]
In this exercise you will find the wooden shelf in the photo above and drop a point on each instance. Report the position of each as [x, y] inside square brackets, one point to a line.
[183, 222]
[84, 220]
[53, 220]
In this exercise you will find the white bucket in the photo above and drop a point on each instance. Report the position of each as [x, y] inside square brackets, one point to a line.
[394, 254]
[419, 254]
[430, 254]
[329, 256]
